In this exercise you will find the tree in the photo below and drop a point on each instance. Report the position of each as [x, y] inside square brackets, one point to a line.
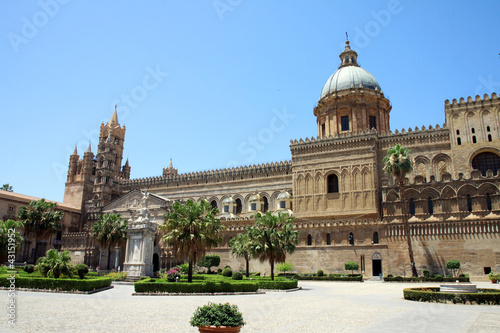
[6, 187]
[285, 267]
[210, 260]
[191, 229]
[55, 263]
[10, 239]
[398, 163]
[240, 248]
[272, 238]
[110, 231]
[351, 266]
[453, 265]
[41, 220]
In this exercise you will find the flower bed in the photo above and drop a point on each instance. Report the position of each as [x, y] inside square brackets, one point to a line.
[56, 284]
[483, 296]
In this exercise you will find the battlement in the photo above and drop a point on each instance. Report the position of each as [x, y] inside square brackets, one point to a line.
[477, 103]
[236, 173]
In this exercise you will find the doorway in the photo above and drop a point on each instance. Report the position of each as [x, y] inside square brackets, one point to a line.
[376, 264]
[156, 262]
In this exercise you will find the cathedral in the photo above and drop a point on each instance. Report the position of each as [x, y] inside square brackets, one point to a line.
[345, 206]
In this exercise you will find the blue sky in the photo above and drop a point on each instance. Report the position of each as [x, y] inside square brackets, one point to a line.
[218, 83]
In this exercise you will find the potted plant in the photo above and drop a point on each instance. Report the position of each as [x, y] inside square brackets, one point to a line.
[493, 277]
[217, 317]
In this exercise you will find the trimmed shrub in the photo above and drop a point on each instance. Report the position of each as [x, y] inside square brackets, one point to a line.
[195, 287]
[453, 265]
[331, 277]
[436, 278]
[426, 273]
[320, 273]
[210, 260]
[219, 271]
[82, 270]
[29, 269]
[237, 276]
[351, 266]
[278, 284]
[58, 284]
[227, 272]
[483, 296]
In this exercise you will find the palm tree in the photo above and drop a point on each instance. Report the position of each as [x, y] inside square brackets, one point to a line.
[9, 237]
[6, 187]
[55, 263]
[110, 231]
[272, 238]
[191, 229]
[398, 163]
[240, 246]
[40, 219]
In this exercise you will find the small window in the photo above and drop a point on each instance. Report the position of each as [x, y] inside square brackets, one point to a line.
[488, 202]
[469, 203]
[323, 129]
[458, 132]
[344, 123]
[328, 239]
[253, 206]
[309, 239]
[487, 270]
[282, 204]
[226, 209]
[411, 203]
[350, 238]
[487, 128]
[213, 203]
[12, 209]
[333, 183]
[373, 122]
[375, 237]
[474, 139]
[459, 141]
[473, 130]
[265, 207]
[430, 206]
[489, 137]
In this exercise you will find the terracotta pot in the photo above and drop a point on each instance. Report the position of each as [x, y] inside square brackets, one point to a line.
[220, 329]
[494, 281]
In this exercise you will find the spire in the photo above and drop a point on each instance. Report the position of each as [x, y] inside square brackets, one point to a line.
[348, 57]
[114, 118]
[89, 149]
[170, 166]
[75, 152]
[126, 162]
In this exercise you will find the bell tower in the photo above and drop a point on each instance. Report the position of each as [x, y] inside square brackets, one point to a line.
[108, 161]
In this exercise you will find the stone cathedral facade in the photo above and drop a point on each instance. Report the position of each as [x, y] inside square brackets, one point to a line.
[345, 207]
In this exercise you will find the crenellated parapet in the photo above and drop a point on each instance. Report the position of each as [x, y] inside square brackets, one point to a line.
[471, 104]
[267, 170]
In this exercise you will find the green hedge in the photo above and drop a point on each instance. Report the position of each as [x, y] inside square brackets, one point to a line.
[197, 277]
[162, 286]
[483, 296]
[425, 279]
[278, 284]
[57, 284]
[332, 277]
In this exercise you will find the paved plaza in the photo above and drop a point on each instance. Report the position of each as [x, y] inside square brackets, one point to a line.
[318, 307]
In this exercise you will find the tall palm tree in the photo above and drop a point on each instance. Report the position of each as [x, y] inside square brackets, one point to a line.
[272, 238]
[110, 231]
[398, 163]
[41, 220]
[240, 246]
[191, 229]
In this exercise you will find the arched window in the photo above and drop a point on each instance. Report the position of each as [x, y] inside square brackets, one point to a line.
[489, 138]
[474, 139]
[411, 203]
[238, 206]
[469, 203]
[459, 141]
[213, 203]
[487, 128]
[265, 206]
[309, 239]
[486, 161]
[430, 206]
[488, 202]
[328, 239]
[375, 237]
[333, 183]
[350, 238]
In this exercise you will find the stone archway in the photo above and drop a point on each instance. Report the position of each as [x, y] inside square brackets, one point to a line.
[377, 264]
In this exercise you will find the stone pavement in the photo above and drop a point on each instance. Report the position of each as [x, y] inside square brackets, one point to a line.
[319, 307]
